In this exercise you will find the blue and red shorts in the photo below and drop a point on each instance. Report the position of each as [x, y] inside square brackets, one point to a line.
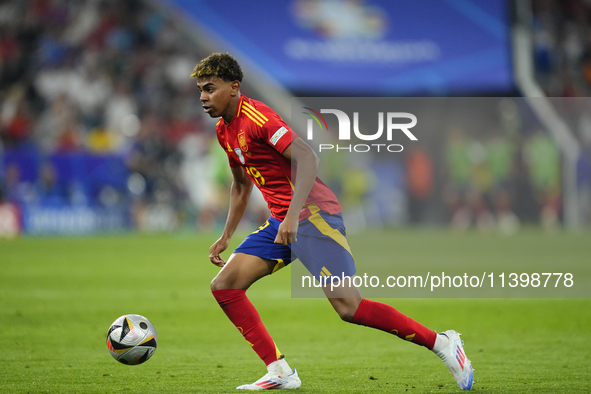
[321, 245]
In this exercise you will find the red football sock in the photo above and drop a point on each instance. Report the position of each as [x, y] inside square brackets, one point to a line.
[386, 318]
[245, 317]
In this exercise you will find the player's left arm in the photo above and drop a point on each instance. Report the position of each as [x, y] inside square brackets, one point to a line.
[307, 163]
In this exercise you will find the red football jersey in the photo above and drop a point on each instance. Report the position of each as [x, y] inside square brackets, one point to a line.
[256, 139]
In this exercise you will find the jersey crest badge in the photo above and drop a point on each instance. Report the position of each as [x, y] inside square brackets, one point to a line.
[239, 153]
[242, 142]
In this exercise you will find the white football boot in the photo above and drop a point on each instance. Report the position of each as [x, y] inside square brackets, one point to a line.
[280, 376]
[450, 348]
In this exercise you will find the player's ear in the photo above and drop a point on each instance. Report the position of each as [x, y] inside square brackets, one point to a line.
[234, 88]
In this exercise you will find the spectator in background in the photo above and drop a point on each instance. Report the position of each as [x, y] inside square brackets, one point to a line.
[584, 164]
[543, 163]
[562, 46]
[480, 189]
[500, 156]
[584, 183]
[15, 126]
[9, 185]
[358, 180]
[197, 173]
[458, 165]
[9, 217]
[16, 190]
[49, 191]
[119, 110]
[419, 176]
[58, 127]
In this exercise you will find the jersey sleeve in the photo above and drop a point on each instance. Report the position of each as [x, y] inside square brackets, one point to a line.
[277, 133]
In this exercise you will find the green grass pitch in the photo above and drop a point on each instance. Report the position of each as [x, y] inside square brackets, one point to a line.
[58, 297]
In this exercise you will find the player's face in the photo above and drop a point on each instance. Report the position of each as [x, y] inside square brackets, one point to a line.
[217, 96]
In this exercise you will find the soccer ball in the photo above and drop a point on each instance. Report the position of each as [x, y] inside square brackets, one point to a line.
[132, 339]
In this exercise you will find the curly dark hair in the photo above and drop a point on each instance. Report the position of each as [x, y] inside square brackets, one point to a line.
[221, 65]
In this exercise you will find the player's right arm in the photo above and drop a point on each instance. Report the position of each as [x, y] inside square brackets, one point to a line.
[239, 196]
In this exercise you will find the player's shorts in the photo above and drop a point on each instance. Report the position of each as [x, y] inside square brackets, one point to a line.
[321, 245]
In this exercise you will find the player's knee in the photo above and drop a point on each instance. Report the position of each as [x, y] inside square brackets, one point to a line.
[345, 307]
[221, 282]
[218, 284]
[345, 313]
[347, 316]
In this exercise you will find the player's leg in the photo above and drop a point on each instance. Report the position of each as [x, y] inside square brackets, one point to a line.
[345, 300]
[348, 303]
[241, 271]
[229, 289]
[351, 307]
[324, 250]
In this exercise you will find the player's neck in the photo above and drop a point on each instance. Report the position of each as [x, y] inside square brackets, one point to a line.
[232, 108]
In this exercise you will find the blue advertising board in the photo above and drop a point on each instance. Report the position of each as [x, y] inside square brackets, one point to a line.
[366, 47]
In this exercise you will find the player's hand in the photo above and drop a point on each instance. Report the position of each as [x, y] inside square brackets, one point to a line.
[286, 233]
[216, 249]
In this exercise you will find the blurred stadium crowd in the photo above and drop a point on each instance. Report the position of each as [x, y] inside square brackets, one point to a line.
[97, 110]
[561, 31]
[562, 46]
[101, 128]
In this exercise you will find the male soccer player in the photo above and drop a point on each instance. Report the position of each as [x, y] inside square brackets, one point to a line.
[305, 219]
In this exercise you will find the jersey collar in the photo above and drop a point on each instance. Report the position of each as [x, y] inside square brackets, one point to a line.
[238, 107]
